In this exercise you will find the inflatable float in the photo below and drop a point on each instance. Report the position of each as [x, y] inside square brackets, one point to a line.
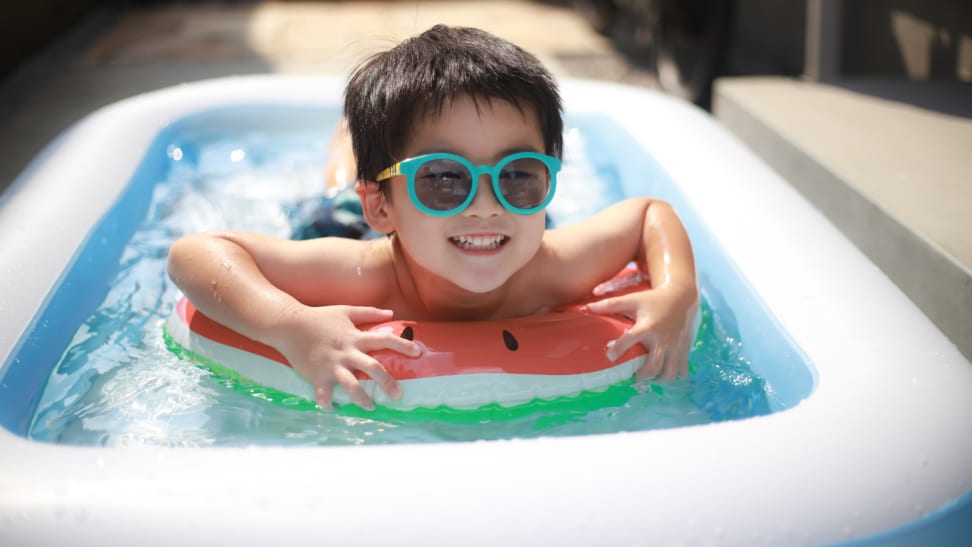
[868, 441]
[463, 365]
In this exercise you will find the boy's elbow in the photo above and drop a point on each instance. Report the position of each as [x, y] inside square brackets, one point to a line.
[179, 253]
[183, 252]
[651, 205]
[659, 204]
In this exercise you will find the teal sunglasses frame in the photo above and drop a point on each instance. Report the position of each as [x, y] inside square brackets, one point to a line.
[411, 166]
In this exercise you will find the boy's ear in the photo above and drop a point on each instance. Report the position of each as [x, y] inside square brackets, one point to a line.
[374, 206]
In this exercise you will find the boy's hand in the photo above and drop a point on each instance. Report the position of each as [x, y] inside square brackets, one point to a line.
[325, 346]
[663, 319]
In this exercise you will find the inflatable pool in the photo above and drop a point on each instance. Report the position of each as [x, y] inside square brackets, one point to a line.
[868, 442]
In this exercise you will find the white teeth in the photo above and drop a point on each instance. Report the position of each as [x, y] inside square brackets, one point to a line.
[478, 242]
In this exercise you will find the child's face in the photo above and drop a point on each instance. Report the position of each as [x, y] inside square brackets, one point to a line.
[481, 247]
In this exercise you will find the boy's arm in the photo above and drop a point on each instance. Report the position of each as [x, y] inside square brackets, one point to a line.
[276, 292]
[650, 233]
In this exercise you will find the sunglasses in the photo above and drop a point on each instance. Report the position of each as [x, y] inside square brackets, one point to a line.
[443, 184]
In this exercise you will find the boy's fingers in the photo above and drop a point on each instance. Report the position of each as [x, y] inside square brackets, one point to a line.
[669, 368]
[374, 341]
[683, 354]
[652, 367]
[354, 389]
[367, 314]
[621, 344]
[616, 305]
[381, 377]
[324, 396]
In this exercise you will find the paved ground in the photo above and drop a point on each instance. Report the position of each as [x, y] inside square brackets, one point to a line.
[892, 172]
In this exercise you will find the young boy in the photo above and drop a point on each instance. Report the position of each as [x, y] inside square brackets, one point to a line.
[457, 136]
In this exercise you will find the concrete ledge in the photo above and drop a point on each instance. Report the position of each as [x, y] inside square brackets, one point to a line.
[894, 177]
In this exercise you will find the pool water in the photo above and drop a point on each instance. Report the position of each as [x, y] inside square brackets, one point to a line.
[260, 169]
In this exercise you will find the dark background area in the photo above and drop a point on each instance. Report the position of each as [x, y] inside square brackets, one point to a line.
[913, 39]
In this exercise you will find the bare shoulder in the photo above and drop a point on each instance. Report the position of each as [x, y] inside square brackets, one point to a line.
[615, 225]
[579, 256]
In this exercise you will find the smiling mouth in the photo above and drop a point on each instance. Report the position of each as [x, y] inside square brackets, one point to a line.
[479, 243]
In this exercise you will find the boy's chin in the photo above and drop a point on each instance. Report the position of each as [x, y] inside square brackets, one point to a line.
[481, 284]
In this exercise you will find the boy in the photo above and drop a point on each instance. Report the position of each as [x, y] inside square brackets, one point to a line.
[457, 136]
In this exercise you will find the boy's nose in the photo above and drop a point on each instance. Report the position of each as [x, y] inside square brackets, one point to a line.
[484, 203]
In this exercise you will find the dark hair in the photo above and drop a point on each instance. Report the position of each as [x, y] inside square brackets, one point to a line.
[391, 91]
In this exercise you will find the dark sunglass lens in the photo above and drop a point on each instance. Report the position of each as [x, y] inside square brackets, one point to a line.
[525, 182]
[442, 185]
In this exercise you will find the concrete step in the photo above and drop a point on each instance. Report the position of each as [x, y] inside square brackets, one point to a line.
[889, 162]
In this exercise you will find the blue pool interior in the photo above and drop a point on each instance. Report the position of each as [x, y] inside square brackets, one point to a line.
[619, 162]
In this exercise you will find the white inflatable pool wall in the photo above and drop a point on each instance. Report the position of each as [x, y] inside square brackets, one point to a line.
[882, 441]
